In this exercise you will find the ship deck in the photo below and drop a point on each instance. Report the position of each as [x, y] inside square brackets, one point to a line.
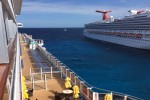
[45, 76]
[55, 84]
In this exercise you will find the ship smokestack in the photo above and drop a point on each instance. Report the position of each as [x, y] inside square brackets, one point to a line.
[105, 13]
[140, 11]
[134, 12]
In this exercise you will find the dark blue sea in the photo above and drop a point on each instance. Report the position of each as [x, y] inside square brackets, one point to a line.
[101, 64]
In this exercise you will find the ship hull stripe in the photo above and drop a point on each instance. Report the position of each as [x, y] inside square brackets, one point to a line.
[135, 43]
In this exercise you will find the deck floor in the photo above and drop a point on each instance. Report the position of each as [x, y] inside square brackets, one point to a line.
[40, 93]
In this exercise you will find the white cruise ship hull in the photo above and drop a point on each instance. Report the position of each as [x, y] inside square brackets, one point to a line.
[135, 43]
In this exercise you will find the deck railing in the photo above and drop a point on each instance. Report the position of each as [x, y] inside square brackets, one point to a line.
[14, 80]
[88, 91]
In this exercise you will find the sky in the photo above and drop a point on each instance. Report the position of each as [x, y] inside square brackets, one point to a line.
[73, 13]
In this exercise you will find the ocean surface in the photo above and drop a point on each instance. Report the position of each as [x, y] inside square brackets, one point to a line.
[101, 64]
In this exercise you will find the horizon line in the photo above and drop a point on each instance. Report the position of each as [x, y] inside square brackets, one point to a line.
[50, 27]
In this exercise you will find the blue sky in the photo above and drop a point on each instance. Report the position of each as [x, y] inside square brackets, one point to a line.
[73, 13]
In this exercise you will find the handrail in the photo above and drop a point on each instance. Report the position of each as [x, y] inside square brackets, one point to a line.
[89, 85]
[85, 83]
[16, 79]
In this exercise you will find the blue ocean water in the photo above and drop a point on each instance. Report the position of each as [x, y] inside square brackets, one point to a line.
[104, 65]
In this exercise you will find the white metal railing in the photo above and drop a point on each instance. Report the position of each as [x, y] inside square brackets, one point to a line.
[89, 87]
[88, 91]
[15, 90]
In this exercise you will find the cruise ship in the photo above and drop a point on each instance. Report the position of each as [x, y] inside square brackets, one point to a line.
[29, 72]
[132, 31]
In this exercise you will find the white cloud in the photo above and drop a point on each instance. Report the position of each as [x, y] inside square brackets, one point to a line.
[62, 7]
[56, 8]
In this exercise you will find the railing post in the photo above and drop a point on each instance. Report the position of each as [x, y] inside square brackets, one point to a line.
[70, 74]
[45, 82]
[41, 73]
[61, 64]
[51, 72]
[111, 94]
[55, 62]
[66, 72]
[58, 63]
[8, 85]
[61, 71]
[88, 93]
[75, 81]
[81, 85]
[30, 71]
[33, 82]
[50, 57]
[125, 97]
[95, 96]
[30, 74]
[52, 61]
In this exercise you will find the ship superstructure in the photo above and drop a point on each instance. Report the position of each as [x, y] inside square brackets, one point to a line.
[10, 55]
[132, 31]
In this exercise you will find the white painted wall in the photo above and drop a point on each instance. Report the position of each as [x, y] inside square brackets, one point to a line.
[3, 41]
